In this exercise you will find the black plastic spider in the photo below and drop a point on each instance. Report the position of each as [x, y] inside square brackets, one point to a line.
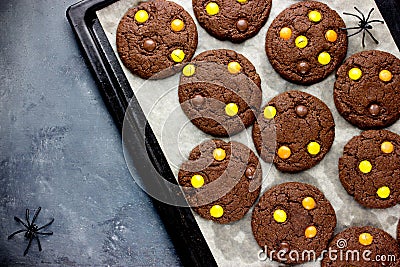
[364, 25]
[32, 230]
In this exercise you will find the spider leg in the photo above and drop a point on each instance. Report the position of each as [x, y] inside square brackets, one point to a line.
[363, 17]
[43, 233]
[369, 14]
[36, 214]
[17, 232]
[355, 33]
[354, 15]
[373, 38]
[363, 39]
[376, 20]
[47, 224]
[20, 221]
[27, 217]
[351, 28]
[38, 242]
[29, 245]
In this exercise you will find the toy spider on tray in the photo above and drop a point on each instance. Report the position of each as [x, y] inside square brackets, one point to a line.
[32, 230]
[364, 25]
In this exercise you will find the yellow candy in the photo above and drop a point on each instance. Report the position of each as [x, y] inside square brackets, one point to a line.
[177, 25]
[178, 55]
[285, 33]
[331, 36]
[355, 74]
[383, 192]
[365, 166]
[216, 211]
[280, 216]
[234, 67]
[315, 16]
[324, 58]
[231, 109]
[212, 8]
[387, 147]
[141, 16]
[365, 239]
[385, 75]
[242, 1]
[197, 181]
[269, 112]
[189, 70]
[310, 232]
[219, 154]
[309, 203]
[284, 152]
[301, 41]
[314, 148]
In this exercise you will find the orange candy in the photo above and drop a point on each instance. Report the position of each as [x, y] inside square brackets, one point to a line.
[309, 203]
[285, 33]
[387, 147]
[311, 232]
[365, 239]
[331, 36]
[284, 152]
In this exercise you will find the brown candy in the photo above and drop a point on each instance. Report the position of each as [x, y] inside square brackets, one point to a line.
[242, 25]
[250, 172]
[374, 110]
[149, 45]
[198, 100]
[303, 67]
[301, 111]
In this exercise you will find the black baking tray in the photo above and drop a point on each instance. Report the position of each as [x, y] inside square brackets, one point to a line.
[179, 222]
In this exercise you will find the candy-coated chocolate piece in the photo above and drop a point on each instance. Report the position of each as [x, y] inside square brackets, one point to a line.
[141, 16]
[313, 148]
[198, 100]
[280, 216]
[189, 70]
[383, 192]
[219, 154]
[284, 247]
[269, 112]
[212, 8]
[285, 33]
[197, 181]
[250, 171]
[387, 147]
[301, 111]
[324, 58]
[303, 67]
[242, 1]
[310, 232]
[178, 55]
[309, 203]
[365, 166]
[242, 25]
[365, 239]
[177, 25]
[234, 67]
[301, 41]
[355, 74]
[315, 16]
[331, 36]
[149, 45]
[374, 110]
[216, 211]
[385, 75]
[284, 152]
[231, 109]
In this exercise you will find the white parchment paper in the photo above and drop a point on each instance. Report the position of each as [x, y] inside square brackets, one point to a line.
[234, 244]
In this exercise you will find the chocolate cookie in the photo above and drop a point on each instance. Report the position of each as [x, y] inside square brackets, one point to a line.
[367, 89]
[292, 218]
[369, 168]
[221, 180]
[305, 42]
[295, 131]
[155, 38]
[362, 246]
[234, 20]
[220, 92]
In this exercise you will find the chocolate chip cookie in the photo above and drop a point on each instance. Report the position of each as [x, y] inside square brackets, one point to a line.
[367, 89]
[295, 131]
[155, 38]
[369, 168]
[292, 218]
[220, 92]
[221, 180]
[305, 42]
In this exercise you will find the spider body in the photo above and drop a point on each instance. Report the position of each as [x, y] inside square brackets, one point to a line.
[364, 25]
[31, 229]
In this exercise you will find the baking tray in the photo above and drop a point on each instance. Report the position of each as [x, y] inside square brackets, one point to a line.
[118, 95]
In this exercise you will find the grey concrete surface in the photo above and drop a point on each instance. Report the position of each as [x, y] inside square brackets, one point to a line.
[59, 149]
